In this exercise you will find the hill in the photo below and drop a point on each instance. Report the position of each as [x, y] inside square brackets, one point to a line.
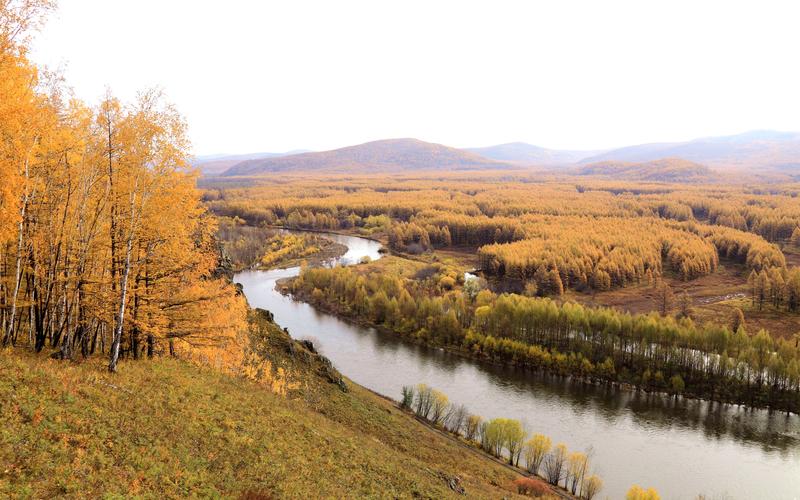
[762, 149]
[522, 152]
[165, 428]
[212, 165]
[664, 170]
[768, 152]
[389, 155]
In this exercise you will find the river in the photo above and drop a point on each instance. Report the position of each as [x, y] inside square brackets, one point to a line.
[680, 447]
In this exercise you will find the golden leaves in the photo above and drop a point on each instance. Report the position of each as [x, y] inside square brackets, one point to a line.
[260, 370]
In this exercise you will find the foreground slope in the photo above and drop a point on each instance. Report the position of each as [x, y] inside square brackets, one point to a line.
[167, 428]
[391, 155]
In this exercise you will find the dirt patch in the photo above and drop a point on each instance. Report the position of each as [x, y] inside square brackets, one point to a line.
[792, 254]
[722, 298]
[714, 299]
[730, 281]
[779, 322]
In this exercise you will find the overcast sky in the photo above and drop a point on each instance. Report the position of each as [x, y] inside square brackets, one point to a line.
[274, 76]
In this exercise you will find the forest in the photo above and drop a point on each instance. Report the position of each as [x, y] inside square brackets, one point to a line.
[146, 302]
[748, 225]
[560, 247]
[105, 245]
[649, 351]
[549, 233]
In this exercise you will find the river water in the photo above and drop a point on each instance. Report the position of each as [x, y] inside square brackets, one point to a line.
[680, 447]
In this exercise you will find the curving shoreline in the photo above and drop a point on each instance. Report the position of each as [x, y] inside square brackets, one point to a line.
[521, 367]
[621, 424]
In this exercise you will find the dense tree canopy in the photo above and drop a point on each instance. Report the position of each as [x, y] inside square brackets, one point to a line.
[648, 350]
[104, 242]
[597, 236]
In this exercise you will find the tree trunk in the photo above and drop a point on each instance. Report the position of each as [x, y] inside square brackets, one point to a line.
[120, 317]
[18, 273]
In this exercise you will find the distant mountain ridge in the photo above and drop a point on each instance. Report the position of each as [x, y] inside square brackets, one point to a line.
[762, 151]
[755, 149]
[378, 156]
[211, 165]
[523, 152]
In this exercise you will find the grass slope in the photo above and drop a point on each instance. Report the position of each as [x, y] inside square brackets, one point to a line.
[167, 428]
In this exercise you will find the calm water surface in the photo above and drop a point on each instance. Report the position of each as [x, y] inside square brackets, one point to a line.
[681, 448]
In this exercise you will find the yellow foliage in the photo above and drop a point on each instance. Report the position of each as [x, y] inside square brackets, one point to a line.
[261, 370]
[100, 214]
[638, 493]
[553, 234]
[289, 246]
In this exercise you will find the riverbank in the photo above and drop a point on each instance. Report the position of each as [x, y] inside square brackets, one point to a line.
[285, 250]
[633, 437]
[472, 447]
[326, 253]
[345, 314]
[284, 287]
[330, 231]
[557, 491]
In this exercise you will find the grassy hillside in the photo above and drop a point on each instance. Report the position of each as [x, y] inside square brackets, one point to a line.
[391, 155]
[167, 428]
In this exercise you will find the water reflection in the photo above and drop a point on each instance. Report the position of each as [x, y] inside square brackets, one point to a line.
[681, 447]
[773, 430]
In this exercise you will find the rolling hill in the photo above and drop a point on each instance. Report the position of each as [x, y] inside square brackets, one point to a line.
[522, 152]
[663, 170]
[761, 149]
[212, 165]
[379, 156]
[763, 152]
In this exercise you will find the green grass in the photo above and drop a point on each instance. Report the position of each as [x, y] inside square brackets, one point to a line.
[167, 428]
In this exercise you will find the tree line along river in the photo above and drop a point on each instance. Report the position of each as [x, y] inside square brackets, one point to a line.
[681, 447]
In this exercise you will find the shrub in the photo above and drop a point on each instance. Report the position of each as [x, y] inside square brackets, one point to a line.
[408, 397]
[531, 487]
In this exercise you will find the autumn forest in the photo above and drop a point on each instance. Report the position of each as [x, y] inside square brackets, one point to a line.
[90, 262]
[607, 323]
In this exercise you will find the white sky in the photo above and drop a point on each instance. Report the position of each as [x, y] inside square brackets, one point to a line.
[273, 76]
